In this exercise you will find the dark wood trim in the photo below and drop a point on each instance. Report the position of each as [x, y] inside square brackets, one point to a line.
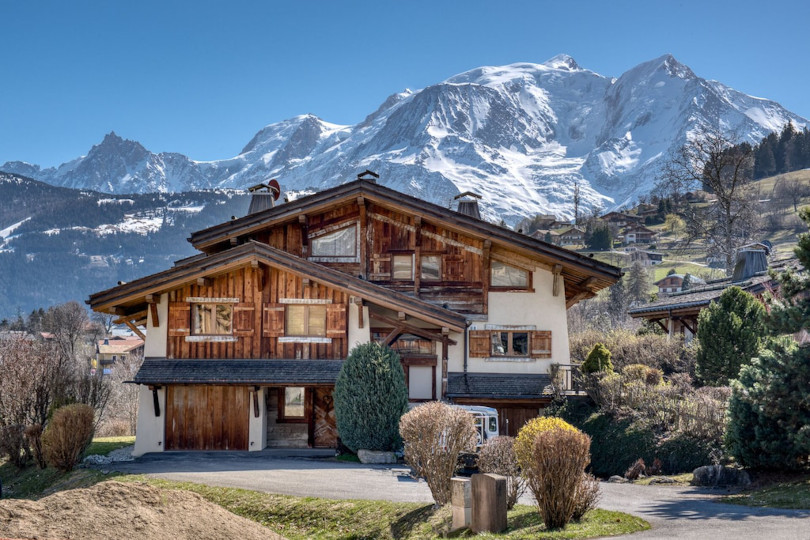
[282, 419]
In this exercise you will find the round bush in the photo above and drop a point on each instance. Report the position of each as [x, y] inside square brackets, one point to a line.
[528, 433]
[370, 397]
[67, 436]
[598, 360]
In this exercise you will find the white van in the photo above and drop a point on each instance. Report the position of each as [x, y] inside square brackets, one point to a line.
[486, 421]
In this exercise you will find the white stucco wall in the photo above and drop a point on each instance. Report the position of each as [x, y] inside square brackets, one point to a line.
[157, 336]
[420, 379]
[539, 308]
[258, 425]
[150, 431]
[357, 335]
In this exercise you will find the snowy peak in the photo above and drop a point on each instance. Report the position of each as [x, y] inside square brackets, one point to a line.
[563, 62]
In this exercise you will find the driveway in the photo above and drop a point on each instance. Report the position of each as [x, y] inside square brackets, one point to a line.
[673, 512]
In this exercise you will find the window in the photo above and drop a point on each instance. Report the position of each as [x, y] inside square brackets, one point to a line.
[211, 319]
[510, 344]
[341, 243]
[503, 275]
[305, 320]
[292, 406]
[431, 268]
[402, 267]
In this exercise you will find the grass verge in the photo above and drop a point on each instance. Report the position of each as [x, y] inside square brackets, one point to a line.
[677, 480]
[307, 517]
[793, 494]
[104, 445]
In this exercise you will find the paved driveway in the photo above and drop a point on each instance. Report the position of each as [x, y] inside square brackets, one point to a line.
[674, 512]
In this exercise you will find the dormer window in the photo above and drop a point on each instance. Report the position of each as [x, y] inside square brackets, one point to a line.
[339, 243]
[509, 277]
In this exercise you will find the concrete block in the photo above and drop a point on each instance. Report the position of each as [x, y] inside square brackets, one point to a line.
[488, 503]
[461, 502]
[376, 456]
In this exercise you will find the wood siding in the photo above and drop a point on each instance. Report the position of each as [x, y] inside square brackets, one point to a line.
[258, 316]
[207, 418]
[325, 421]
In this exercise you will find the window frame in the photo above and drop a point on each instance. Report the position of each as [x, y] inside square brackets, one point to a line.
[307, 309]
[413, 265]
[422, 258]
[194, 306]
[314, 237]
[529, 287]
[510, 352]
[283, 418]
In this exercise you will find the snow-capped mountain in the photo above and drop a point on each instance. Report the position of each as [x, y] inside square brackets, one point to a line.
[520, 135]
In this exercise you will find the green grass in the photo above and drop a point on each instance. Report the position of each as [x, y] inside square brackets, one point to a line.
[104, 445]
[792, 494]
[680, 479]
[349, 458]
[31, 482]
[307, 517]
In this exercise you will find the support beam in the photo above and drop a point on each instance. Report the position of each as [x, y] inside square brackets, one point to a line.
[401, 316]
[425, 333]
[303, 222]
[485, 262]
[392, 337]
[255, 402]
[153, 308]
[691, 327]
[155, 400]
[135, 329]
[364, 237]
[135, 315]
[555, 290]
[204, 282]
[662, 325]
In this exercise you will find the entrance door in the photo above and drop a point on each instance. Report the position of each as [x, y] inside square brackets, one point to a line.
[511, 419]
[207, 418]
[325, 429]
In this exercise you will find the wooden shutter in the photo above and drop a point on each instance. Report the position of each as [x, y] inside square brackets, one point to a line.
[243, 319]
[541, 344]
[336, 320]
[179, 318]
[480, 343]
[273, 320]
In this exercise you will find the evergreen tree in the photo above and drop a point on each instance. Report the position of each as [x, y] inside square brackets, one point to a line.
[597, 360]
[638, 284]
[730, 332]
[686, 284]
[370, 397]
[617, 302]
[599, 239]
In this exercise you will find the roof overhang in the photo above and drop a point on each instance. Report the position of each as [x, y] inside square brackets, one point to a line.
[132, 297]
[253, 371]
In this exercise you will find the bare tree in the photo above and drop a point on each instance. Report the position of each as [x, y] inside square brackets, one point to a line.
[791, 191]
[713, 162]
[124, 401]
[67, 322]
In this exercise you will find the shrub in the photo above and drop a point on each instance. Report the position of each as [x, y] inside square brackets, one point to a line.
[67, 436]
[33, 438]
[655, 350]
[645, 374]
[12, 445]
[434, 435]
[598, 360]
[681, 453]
[587, 496]
[655, 468]
[525, 440]
[554, 473]
[497, 456]
[636, 470]
[618, 443]
[370, 397]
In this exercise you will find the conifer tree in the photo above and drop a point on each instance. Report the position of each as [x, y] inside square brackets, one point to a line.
[730, 332]
[638, 283]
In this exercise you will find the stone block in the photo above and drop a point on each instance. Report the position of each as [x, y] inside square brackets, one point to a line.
[488, 503]
[376, 457]
[461, 502]
[719, 476]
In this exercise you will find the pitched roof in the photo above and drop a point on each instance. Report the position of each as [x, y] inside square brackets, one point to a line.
[242, 371]
[577, 268]
[134, 293]
[497, 385]
[118, 346]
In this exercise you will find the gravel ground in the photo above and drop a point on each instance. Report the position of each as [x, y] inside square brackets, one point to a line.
[674, 512]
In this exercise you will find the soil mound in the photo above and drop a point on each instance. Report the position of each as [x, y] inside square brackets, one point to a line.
[124, 510]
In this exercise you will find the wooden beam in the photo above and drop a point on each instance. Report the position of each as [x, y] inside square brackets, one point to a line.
[426, 333]
[692, 328]
[392, 337]
[155, 400]
[555, 290]
[204, 282]
[400, 315]
[154, 310]
[662, 325]
[576, 298]
[485, 274]
[136, 330]
[135, 315]
[364, 237]
[303, 222]
[255, 403]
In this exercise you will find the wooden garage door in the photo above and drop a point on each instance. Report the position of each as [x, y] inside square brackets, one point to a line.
[207, 418]
[511, 419]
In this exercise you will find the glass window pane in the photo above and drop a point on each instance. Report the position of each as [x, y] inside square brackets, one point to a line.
[500, 343]
[296, 323]
[402, 267]
[520, 343]
[201, 318]
[342, 243]
[317, 321]
[224, 317]
[503, 275]
[294, 402]
[431, 267]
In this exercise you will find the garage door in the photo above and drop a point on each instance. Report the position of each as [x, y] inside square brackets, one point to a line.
[207, 418]
[511, 419]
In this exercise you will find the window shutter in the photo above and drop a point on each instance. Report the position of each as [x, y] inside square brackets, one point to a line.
[243, 319]
[480, 343]
[541, 344]
[179, 318]
[273, 320]
[336, 320]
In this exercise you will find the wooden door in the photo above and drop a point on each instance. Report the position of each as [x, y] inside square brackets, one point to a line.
[325, 430]
[207, 418]
[511, 419]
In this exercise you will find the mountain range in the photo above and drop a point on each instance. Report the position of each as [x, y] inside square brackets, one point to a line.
[520, 135]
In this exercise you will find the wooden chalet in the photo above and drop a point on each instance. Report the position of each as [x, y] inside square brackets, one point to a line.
[245, 340]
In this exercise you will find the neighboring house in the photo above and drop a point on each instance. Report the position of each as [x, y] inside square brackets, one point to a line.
[547, 235]
[674, 283]
[115, 349]
[638, 234]
[245, 340]
[678, 312]
[621, 219]
[572, 236]
[647, 258]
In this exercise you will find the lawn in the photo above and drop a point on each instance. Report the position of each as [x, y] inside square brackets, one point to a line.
[308, 517]
[104, 445]
[791, 494]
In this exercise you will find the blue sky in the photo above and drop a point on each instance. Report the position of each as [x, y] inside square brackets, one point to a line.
[202, 77]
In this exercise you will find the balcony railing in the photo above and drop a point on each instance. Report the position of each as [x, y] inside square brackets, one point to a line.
[565, 378]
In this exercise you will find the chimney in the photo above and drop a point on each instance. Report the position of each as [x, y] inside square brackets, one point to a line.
[263, 196]
[468, 204]
[749, 263]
